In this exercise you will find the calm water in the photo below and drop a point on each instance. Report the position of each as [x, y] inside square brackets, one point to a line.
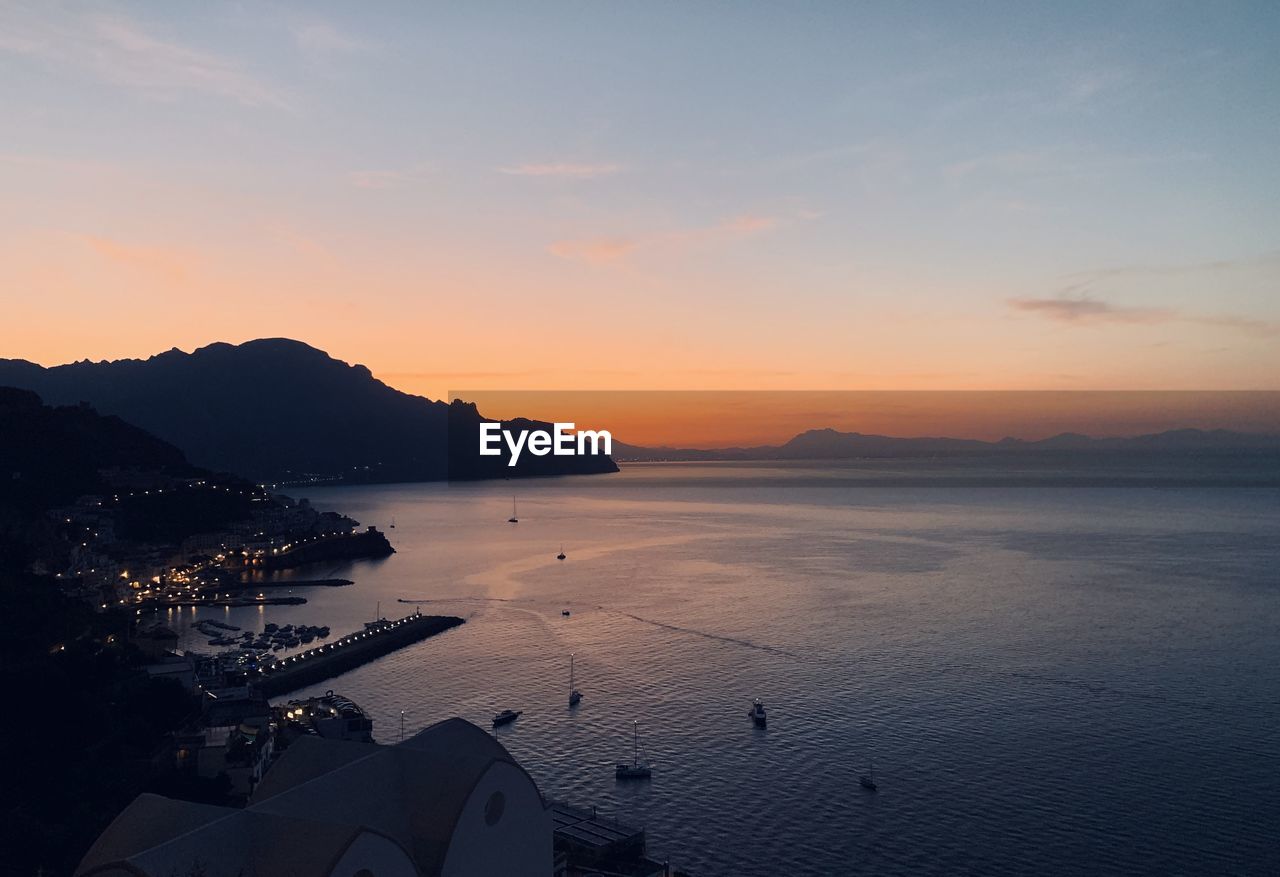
[1054, 681]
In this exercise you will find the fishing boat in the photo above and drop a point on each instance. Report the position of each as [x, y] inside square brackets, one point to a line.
[757, 713]
[638, 769]
[560, 556]
[505, 717]
[574, 694]
[513, 519]
[868, 779]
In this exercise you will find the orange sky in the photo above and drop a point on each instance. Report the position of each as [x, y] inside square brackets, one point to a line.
[726, 419]
[441, 194]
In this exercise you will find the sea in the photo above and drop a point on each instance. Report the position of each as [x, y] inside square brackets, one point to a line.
[1051, 676]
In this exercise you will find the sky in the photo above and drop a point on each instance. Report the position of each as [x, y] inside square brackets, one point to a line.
[621, 196]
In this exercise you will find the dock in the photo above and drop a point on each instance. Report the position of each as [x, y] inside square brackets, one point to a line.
[346, 653]
[591, 843]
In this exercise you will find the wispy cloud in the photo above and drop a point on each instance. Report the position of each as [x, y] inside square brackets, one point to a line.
[167, 265]
[391, 179]
[120, 51]
[320, 38]
[1089, 310]
[603, 250]
[595, 251]
[570, 170]
[1094, 312]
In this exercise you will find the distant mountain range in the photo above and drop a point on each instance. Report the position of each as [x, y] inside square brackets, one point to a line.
[829, 444]
[280, 410]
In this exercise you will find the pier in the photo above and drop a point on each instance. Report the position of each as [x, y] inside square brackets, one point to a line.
[346, 653]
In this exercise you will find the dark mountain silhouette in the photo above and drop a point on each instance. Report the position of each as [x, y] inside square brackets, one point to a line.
[830, 444]
[280, 410]
[52, 455]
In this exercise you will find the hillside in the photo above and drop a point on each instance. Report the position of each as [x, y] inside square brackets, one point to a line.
[280, 410]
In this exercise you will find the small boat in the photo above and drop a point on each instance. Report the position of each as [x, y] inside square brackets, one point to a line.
[393, 523]
[757, 713]
[560, 556]
[868, 779]
[638, 769]
[505, 717]
[564, 612]
[513, 519]
[574, 694]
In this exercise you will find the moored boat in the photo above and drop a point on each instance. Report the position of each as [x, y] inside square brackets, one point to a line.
[639, 768]
[868, 779]
[505, 717]
[574, 694]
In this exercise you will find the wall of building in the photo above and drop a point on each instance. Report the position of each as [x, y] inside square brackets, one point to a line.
[372, 855]
[503, 829]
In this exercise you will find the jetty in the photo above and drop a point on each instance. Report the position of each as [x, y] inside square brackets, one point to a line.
[378, 638]
[156, 604]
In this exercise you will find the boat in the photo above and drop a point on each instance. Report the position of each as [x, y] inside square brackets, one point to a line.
[574, 694]
[513, 519]
[564, 612]
[393, 523]
[505, 717]
[868, 779]
[560, 556]
[639, 768]
[757, 713]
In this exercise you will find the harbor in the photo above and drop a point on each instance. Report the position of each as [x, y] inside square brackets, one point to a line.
[323, 662]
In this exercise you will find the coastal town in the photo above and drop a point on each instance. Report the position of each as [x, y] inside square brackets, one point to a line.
[221, 723]
[127, 548]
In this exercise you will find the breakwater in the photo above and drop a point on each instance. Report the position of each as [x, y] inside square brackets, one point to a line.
[157, 604]
[370, 543]
[346, 653]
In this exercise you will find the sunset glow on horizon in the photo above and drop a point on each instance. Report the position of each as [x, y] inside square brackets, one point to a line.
[651, 197]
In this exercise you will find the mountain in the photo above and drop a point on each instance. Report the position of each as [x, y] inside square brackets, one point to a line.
[830, 444]
[279, 410]
[52, 455]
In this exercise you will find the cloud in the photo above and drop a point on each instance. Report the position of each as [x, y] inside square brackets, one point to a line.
[603, 250]
[568, 170]
[320, 38]
[595, 251]
[120, 51]
[390, 179]
[748, 224]
[169, 266]
[1093, 312]
[1088, 310]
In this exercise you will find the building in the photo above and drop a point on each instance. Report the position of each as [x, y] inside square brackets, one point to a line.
[448, 801]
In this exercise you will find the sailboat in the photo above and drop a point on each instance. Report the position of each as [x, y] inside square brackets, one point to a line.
[574, 694]
[393, 523]
[638, 769]
[561, 555]
[868, 779]
[513, 519]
